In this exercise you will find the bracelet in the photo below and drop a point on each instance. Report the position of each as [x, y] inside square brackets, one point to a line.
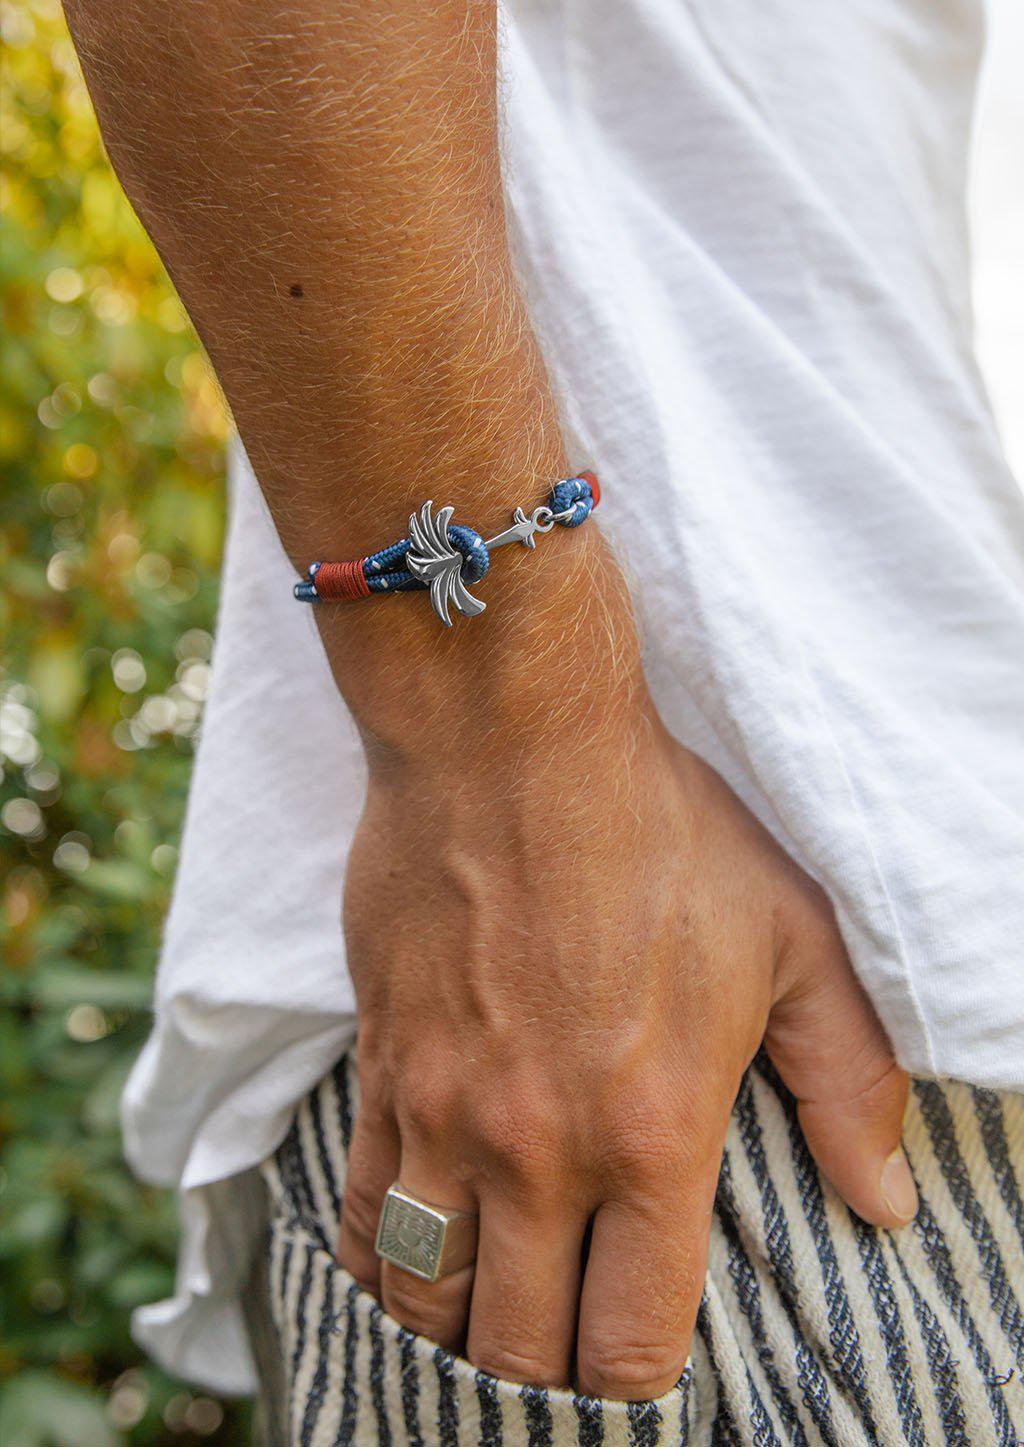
[444, 556]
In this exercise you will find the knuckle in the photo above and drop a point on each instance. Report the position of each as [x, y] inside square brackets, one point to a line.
[842, 1051]
[530, 1169]
[877, 1086]
[512, 1364]
[649, 1144]
[649, 1166]
[629, 1367]
[425, 1105]
[422, 1307]
[522, 1141]
[528, 1158]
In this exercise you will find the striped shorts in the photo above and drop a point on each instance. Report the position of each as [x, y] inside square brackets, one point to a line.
[813, 1327]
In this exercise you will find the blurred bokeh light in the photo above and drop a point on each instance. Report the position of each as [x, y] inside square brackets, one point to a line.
[112, 435]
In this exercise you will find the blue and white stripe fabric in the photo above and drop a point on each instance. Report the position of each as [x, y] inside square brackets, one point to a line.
[814, 1327]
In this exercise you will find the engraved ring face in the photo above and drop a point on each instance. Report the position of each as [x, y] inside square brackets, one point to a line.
[427, 1241]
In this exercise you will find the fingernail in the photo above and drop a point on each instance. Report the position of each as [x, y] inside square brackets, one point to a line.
[897, 1185]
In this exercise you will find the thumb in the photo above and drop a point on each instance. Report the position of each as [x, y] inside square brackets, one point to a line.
[827, 1044]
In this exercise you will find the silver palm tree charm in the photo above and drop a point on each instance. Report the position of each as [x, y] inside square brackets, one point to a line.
[434, 561]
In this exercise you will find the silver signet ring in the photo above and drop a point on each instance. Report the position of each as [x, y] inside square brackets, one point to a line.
[425, 1240]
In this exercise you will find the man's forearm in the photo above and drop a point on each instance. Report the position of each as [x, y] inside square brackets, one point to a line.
[323, 183]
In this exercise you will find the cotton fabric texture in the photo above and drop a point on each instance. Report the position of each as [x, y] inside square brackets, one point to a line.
[813, 1327]
[741, 234]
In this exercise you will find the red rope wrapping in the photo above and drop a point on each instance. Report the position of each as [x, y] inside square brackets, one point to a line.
[343, 582]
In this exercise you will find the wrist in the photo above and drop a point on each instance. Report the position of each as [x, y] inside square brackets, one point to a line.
[553, 658]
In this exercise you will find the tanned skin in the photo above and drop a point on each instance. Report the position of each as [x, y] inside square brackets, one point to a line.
[568, 937]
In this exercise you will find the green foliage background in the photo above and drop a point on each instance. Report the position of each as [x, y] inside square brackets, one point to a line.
[112, 437]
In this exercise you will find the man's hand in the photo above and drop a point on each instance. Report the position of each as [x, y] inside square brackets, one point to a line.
[565, 953]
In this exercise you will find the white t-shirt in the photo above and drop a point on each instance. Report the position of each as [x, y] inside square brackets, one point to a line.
[741, 233]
